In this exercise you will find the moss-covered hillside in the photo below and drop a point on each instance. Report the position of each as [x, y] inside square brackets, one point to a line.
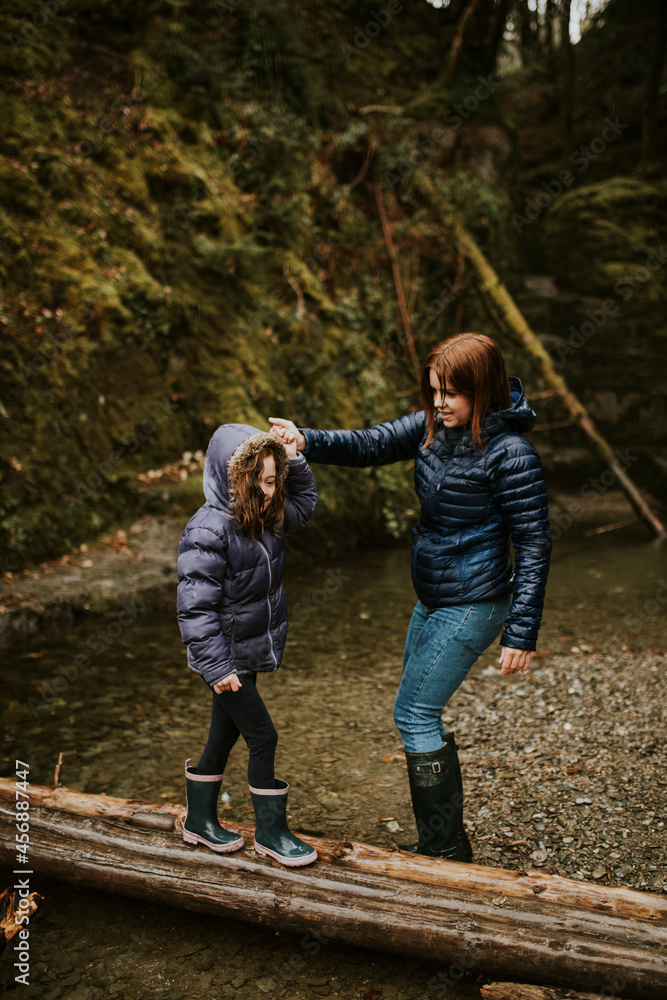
[189, 234]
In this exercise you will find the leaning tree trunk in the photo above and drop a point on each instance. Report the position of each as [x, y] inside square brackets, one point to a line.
[509, 319]
[527, 925]
[447, 73]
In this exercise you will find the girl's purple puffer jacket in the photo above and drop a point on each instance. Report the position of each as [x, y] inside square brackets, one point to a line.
[232, 611]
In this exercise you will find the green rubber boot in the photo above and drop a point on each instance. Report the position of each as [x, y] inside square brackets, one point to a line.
[201, 824]
[272, 835]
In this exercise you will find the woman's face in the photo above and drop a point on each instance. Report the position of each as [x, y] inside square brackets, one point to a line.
[454, 409]
[267, 479]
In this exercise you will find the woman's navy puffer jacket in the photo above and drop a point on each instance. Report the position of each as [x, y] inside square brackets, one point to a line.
[472, 504]
[231, 606]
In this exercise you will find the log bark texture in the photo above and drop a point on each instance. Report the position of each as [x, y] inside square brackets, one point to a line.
[521, 991]
[529, 925]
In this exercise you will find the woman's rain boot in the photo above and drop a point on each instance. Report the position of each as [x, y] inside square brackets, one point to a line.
[201, 824]
[272, 835]
[437, 802]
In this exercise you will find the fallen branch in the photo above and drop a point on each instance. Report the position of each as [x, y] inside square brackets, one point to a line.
[370, 150]
[612, 527]
[385, 109]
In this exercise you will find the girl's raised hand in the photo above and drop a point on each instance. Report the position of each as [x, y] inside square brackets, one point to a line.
[288, 433]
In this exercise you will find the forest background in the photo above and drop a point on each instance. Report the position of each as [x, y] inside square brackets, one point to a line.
[190, 234]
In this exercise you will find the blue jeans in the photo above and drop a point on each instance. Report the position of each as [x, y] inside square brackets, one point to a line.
[441, 646]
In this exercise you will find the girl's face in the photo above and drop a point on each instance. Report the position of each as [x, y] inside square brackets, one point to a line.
[454, 409]
[267, 479]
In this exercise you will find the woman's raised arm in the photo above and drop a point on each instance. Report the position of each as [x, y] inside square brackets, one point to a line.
[394, 441]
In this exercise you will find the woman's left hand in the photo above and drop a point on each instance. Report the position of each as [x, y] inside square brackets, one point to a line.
[513, 660]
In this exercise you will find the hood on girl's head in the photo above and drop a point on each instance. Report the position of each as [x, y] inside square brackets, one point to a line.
[226, 457]
[220, 449]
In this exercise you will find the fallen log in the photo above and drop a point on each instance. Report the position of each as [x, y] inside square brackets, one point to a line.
[532, 926]
[521, 991]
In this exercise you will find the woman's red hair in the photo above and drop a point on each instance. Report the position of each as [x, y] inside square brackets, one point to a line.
[471, 364]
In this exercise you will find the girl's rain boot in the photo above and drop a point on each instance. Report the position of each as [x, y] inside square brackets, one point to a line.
[437, 802]
[272, 835]
[201, 824]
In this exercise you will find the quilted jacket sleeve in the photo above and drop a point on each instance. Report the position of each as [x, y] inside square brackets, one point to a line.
[302, 496]
[382, 444]
[201, 568]
[519, 491]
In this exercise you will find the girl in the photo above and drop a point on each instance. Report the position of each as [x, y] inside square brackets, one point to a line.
[480, 485]
[232, 615]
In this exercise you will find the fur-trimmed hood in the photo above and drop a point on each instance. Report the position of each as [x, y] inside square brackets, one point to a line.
[242, 457]
[227, 454]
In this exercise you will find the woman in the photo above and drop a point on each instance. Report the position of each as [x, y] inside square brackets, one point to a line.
[480, 485]
[233, 617]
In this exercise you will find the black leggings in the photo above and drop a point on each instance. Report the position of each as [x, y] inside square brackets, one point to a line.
[235, 713]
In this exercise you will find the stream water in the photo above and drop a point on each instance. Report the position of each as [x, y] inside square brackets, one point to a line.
[126, 722]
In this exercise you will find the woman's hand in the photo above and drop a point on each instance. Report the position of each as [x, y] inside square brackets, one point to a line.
[288, 433]
[229, 683]
[513, 660]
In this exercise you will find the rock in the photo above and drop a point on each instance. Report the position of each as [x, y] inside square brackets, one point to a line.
[266, 984]
[72, 979]
[330, 801]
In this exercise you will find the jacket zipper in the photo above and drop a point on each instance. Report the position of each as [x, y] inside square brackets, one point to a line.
[268, 601]
[441, 476]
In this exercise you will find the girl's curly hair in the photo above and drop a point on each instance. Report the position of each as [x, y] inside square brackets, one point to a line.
[250, 517]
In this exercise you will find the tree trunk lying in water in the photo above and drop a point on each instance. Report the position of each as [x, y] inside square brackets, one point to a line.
[528, 925]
